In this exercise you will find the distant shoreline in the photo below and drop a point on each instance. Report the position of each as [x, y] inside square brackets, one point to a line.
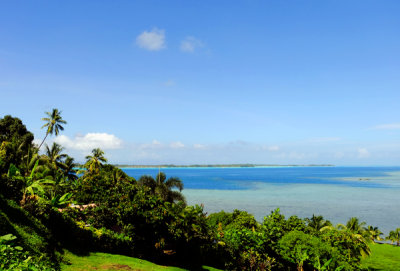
[219, 166]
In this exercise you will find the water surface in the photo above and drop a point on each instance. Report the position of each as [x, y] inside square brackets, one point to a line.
[337, 193]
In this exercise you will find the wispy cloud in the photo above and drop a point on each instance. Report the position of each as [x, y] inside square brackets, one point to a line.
[190, 44]
[177, 145]
[90, 141]
[390, 126]
[153, 40]
[155, 144]
[198, 146]
[363, 153]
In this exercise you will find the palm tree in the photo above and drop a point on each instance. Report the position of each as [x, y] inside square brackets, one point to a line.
[374, 233]
[163, 187]
[54, 156]
[354, 226]
[317, 222]
[94, 161]
[68, 168]
[53, 123]
[394, 236]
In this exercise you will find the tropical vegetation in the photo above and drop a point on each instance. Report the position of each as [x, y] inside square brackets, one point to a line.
[52, 208]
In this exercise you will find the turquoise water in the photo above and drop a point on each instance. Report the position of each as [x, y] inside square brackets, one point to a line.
[337, 193]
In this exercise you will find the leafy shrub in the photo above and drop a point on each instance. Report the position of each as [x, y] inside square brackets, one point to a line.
[350, 247]
[307, 251]
[237, 219]
[32, 235]
[13, 257]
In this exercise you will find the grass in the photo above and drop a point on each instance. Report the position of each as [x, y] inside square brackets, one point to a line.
[104, 261]
[384, 257]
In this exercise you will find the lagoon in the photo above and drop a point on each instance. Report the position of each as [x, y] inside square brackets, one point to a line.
[337, 193]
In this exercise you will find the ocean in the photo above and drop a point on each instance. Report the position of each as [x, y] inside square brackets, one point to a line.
[338, 193]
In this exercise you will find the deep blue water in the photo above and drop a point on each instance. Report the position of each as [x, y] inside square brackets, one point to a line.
[244, 178]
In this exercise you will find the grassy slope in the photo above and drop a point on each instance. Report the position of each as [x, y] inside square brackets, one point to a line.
[105, 261]
[384, 257]
[31, 234]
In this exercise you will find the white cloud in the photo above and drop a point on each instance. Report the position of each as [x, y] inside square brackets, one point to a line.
[363, 153]
[153, 40]
[190, 44]
[390, 126]
[177, 145]
[90, 141]
[156, 142]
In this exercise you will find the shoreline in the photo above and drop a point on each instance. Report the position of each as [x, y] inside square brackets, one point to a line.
[220, 166]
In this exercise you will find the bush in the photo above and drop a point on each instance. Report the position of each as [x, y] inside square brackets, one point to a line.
[31, 234]
[13, 257]
[307, 251]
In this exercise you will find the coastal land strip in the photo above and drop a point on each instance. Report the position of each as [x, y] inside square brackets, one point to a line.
[218, 165]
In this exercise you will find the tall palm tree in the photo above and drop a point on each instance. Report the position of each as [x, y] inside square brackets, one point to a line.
[394, 236]
[94, 161]
[163, 187]
[53, 123]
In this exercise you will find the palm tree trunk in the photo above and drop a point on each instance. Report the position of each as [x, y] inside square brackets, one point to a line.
[43, 140]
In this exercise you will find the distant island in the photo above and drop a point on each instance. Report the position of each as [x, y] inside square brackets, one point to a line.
[219, 165]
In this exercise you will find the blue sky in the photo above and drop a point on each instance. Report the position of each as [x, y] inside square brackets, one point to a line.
[150, 82]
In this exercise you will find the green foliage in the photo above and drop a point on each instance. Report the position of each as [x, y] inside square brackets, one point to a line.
[394, 236]
[317, 223]
[59, 201]
[95, 161]
[307, 251]
[11, 187]
[32, 235]
[350, 247]
[15, 142]
[373, 233]
[163, 188]
[237, 219]
[241, 244]
[53, 123]
[164, 230]
[13, 257]
[245, 250]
